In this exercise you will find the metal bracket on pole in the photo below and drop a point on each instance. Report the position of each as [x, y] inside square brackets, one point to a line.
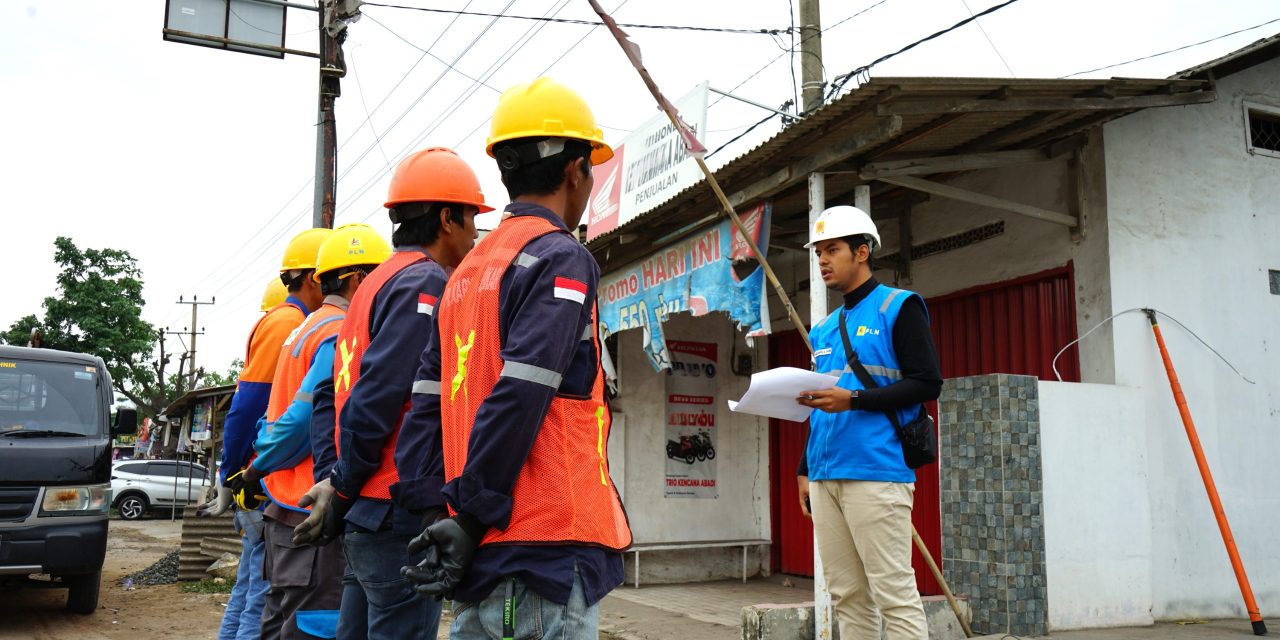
[753, 103]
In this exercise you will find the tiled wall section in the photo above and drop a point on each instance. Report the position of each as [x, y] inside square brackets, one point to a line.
[992, 523]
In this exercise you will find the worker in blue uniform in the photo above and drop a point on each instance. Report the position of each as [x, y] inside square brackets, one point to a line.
[854, 473]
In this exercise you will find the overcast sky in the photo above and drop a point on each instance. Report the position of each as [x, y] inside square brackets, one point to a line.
[198, 161]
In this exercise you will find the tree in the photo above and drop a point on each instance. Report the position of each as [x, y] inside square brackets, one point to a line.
[98, 310]
[215, 379]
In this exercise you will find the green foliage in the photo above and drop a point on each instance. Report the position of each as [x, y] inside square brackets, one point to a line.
[215, 379]
[209, 585]
[98, 310]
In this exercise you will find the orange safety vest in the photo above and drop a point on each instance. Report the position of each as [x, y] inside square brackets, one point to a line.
[282, 318]
[352, 341]
[564, 494]
[286, 486]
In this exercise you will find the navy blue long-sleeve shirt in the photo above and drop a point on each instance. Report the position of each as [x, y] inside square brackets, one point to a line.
[540, 330]
[324, 450]
[399, 326]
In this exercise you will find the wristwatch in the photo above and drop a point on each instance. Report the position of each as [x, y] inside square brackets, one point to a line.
[855, 400]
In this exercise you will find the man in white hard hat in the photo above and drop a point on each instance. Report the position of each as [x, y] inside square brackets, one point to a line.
[861, 491]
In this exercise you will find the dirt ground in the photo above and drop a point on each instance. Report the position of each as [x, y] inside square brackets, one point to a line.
[143, 613]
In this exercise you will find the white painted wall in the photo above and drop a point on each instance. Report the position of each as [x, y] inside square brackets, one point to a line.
[1096, 519]
[742, 461]
[1194, 226]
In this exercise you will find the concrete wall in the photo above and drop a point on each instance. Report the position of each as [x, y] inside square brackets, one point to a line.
[1096, 517]
[742, 462]
[1194, 227]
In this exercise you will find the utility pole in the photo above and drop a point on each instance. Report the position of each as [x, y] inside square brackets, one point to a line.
[195, 303]
[811, 81]
[334, 16]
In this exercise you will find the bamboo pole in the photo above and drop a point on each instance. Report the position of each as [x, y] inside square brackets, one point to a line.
[696, 150]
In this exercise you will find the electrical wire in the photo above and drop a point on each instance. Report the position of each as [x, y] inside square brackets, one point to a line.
[795, 86]
[544, 71]
[802, 41]
[235, 276]
[842, 79]
[459, 102]
[741, 135]
[351, 55]
[594, 23]
[990, 41]
[433, 56]
[1158, 312]
[1188, 46]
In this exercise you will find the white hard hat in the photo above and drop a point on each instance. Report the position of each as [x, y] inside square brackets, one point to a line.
[843, 221]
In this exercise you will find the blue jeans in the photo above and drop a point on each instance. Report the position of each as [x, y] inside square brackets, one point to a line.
[393, 610]
[243, 618]
[536, 617]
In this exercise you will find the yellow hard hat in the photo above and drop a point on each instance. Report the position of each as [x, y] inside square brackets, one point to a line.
[546, 108]
[351, 245]
[274, 295]
[301, 252]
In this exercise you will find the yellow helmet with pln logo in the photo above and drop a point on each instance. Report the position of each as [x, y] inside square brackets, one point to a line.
[301, 252]
[351, 245]
[546, 108]
[274, 295]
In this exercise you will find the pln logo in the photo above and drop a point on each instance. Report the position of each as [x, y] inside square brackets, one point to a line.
[867, 331]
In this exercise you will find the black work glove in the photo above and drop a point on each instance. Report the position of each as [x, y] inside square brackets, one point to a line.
[450, 545]
[247, 495]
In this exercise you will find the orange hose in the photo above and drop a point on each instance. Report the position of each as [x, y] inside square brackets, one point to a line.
[1251, 605]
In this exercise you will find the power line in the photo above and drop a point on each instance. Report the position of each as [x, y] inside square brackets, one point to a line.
[802, 41]
[741, 135]
[1155, 55]
[368, 116]
[990, 41]
[262, 247]
[840, 80]
[540, 73]
[593, 23]
[428, 52]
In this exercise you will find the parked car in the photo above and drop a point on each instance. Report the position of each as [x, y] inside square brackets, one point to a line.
[142, 485]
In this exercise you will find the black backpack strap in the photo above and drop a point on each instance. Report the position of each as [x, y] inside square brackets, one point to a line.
[864, 376]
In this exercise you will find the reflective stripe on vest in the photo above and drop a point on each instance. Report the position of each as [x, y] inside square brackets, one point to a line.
[286, 486]
[563, 494]
[353, 339]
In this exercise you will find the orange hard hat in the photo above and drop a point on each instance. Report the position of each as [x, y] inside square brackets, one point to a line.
[435, 175]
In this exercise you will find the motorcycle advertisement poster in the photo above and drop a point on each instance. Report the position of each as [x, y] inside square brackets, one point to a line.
[691, 420]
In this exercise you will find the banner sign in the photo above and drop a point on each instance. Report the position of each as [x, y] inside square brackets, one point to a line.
[648, 167]
[691, 421]
[695, 275]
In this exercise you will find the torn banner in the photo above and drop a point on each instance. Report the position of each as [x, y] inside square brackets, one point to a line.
[695, 275]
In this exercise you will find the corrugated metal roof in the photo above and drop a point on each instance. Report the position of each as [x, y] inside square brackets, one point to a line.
[939, 116]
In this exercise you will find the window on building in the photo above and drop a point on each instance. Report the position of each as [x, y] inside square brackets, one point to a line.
[1263, 128]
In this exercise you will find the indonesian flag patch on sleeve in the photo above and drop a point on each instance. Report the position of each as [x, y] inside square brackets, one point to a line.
[426, 304]
[570, 289]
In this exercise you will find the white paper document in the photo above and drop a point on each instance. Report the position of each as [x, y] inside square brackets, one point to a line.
[773, 393]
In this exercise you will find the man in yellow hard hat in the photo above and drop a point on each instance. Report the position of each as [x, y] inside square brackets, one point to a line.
[275, 294]
[523, 423]
[433, 198]
[306, 583]
[242, 618]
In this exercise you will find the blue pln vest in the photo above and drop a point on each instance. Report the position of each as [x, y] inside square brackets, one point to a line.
[859, 445]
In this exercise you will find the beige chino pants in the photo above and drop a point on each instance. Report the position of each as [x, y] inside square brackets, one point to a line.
[864, 537]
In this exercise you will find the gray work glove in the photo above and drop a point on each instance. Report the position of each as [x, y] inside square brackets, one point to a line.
[217, 505]
[311, 531]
